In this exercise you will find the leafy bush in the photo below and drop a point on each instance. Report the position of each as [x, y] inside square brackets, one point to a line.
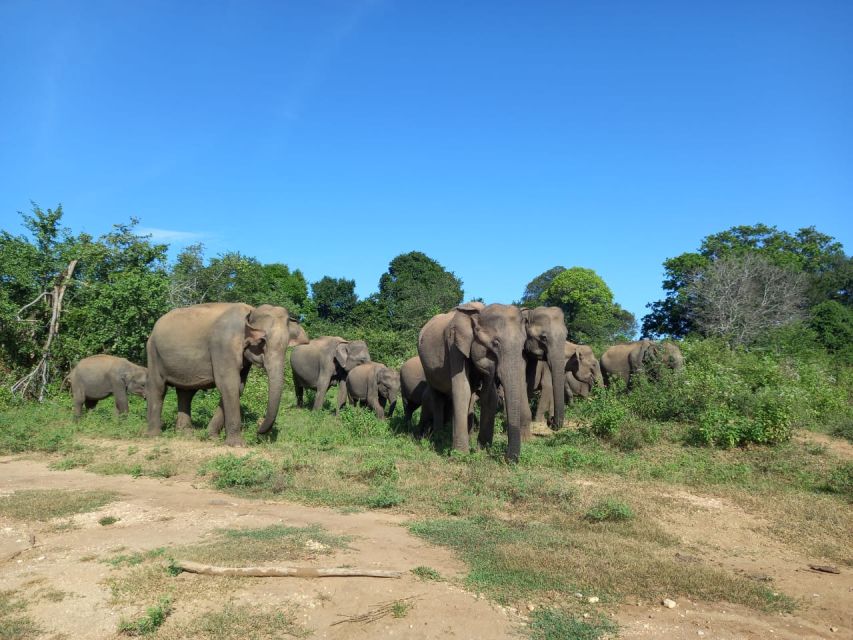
[149, 623]
[841, 481]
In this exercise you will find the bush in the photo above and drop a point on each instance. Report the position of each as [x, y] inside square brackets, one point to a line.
[841, 481]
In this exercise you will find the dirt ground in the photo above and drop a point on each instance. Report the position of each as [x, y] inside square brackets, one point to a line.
[157, 513]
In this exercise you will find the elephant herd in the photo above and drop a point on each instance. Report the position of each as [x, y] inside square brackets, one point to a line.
[492, 354]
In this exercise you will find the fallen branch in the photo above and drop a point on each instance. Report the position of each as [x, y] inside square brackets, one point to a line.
[377, 611]
[282, 572]
[823, 568]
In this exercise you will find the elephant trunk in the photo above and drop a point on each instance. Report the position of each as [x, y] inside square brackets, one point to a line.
[392, 404]
[557, 362]
[515, 396]
[274, 365]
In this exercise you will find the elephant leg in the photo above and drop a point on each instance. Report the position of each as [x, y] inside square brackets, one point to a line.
[79, 400]
[120, 397]
[488, 409]
[461, 395]
[432, 414]
[155, 391]
[214, 427]
[184, 420]
[90, 403]
[545, 407]
[299, 390]
[322, 387]
[342, 398]
[228, 382]
[408, 409]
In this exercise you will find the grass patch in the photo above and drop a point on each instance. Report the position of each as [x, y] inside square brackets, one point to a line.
[554, 624]
[427, 573]
[46, 504]
[519, 561]
[14, 623]
[147, 624]
[134, 559]
[238, 622]
[609, 510]
[269, 544]
[108, 520]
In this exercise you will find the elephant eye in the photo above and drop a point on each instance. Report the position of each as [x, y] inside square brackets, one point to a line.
[496, 343]
[544, 337]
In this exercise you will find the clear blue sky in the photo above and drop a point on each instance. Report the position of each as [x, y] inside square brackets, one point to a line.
[500, 138]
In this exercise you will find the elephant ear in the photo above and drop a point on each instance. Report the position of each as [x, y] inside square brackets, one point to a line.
[462, 327]
[252, 336]
[342, 354]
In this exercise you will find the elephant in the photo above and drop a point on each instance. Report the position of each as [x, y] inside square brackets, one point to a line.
[413, 386]
[324, 362]
[624, 361]
[374, 384]
[296, 334]
[96, 377]
[576, 387]
[582, 372]
[544, 352]
[215, 345]
[475, 346]
[417, 393]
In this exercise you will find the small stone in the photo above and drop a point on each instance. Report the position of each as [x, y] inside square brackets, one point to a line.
[669, 604]
[531, 607]
[586, 615]
[833, 629]
[592, 599]
[578, 595]
[700, 632]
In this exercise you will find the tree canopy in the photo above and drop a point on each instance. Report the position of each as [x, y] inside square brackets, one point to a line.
[587, 302]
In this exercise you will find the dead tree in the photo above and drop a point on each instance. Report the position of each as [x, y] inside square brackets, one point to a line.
[38, 377]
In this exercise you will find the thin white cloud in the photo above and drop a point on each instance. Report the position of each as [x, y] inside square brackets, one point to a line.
[172, 235]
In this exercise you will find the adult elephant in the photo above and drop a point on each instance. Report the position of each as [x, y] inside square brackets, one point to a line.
[544, 355]
[373, 384]
[624, 361]
[473, 346]
[97, 377]
[323, 362]
[214, 345]
[582, 373]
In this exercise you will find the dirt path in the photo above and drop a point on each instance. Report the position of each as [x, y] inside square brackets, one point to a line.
[157, 513]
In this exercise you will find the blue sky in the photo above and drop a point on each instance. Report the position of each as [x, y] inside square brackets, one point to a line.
[500, 138]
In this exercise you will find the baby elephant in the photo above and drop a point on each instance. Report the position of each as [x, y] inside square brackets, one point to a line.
[371, 383]
[96, 377]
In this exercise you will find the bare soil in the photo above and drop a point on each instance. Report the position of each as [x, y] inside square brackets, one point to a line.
[181, 510]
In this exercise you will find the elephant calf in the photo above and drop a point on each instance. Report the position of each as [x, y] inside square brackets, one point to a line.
[324, 362]
[644, 356]
[96, 377]
[371, 383]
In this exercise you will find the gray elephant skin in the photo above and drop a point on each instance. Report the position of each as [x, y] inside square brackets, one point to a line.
[582, 373]
[97, 377]
[624, 361]
[373, 384]
[545, 356]
[215, 345]
[324, 362]
[473, 346]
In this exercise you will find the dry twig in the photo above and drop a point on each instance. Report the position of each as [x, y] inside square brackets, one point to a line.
[282, 572]
[377, 611]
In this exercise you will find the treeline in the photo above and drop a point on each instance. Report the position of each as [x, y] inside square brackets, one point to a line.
[752, 287]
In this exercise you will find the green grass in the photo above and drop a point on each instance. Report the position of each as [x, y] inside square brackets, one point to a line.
[276, 543]
[14, 623]
[133, 559]
[427, 573]
[147, 624]
[609, 510]
[46, 504]
[554, 624]
[239, 622]
[108, 520]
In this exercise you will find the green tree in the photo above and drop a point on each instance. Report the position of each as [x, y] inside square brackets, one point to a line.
[415, 288]
[819, 256]
[334, 298]
[534, 288]
[587, 302]
[832, 322]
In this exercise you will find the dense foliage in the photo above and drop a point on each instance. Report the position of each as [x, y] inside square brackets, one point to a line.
[809, 268]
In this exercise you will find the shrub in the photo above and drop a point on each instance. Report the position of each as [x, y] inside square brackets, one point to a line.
[150, 622]
[841, 481]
